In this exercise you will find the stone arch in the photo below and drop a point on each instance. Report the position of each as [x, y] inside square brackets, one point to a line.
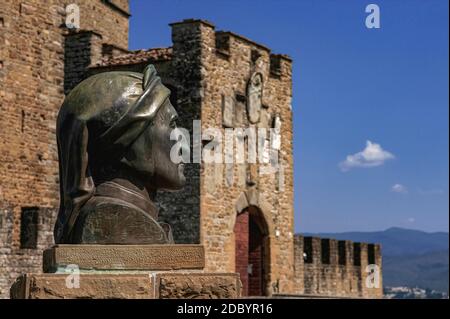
[249, 198]
[252, 232]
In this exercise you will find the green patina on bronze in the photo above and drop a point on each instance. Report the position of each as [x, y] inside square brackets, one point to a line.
[113, 134]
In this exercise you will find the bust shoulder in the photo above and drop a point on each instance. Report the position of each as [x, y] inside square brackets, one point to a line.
[105, 220]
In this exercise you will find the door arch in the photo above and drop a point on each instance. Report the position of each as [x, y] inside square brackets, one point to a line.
[252, 251]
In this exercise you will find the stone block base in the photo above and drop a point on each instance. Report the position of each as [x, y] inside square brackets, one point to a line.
[124, 257]
[163, 285]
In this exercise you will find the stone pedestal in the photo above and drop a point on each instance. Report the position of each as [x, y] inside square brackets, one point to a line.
[124, 257]
[125, 271]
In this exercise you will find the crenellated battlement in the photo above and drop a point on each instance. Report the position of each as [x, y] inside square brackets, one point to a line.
[242, 217]
[326, 266]
[327, 251]
[228, 46]
[234, 47]
[227, 42]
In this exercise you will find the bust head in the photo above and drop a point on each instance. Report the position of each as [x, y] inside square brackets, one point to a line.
[149, 155]
[114, 125]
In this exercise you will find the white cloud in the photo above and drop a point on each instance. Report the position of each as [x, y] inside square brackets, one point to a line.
[411, 220]
[373, 155]
[399, 188]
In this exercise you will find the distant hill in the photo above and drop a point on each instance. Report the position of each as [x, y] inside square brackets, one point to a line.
[397, 241]
[426, 271]
[411, 258]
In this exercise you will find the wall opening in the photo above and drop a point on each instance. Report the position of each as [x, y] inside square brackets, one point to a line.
[29, 227]
[371, 254]
[307, 250]
[325, 250]
[22, 121]
[342, 257]
[357, 254]
[255, 260]
[275, 65]
[251, 251]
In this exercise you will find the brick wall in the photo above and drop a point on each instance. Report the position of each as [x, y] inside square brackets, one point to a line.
[81, 49]
[15, 259]
[32, 76]
[208, 72]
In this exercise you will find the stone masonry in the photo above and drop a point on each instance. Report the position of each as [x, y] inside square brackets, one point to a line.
[241, 213]
[32, 76]
[335, 268]
[209, 72]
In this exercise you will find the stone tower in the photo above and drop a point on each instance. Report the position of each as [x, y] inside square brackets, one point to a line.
[34, 45]
[241, 213]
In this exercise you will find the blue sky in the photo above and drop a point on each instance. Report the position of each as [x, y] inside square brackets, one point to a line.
[351, 85]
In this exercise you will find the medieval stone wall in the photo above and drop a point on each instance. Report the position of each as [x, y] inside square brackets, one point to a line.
[25, 258]
[32, 70]
[207, 70]
[229, 62]
[336, 268]
[220, 78]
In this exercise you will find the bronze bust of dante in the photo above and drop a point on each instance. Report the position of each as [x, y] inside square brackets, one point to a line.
[114, 144]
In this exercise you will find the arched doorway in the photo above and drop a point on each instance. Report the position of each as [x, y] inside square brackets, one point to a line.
[251, 251]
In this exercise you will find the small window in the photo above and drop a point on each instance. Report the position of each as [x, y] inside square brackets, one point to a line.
[371, 254]
[357, 254]
[255, 55]
[307, 250]
[29, 227]
[275, 65]
[342, 253]
[325, 251]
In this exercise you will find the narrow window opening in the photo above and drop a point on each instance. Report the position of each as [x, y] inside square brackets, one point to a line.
[325, 251]
[342, 253]
[357, 254]
[307, 250]
[29, 227]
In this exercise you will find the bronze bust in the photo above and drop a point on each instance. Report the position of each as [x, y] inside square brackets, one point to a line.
[113, 134]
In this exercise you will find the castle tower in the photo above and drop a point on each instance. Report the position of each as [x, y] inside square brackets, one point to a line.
[34, 45]
[241, 213]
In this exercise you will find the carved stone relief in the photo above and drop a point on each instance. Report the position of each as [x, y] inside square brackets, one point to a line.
[254, 97]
